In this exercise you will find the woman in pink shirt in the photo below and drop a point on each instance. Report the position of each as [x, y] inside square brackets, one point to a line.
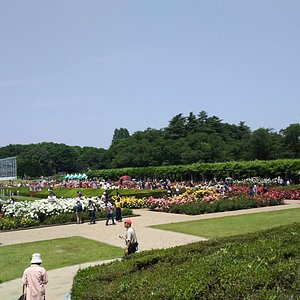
[34, 279]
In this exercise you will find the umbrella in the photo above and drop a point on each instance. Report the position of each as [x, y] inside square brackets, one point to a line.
[228, 178]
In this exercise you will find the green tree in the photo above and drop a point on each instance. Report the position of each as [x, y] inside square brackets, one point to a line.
[291, 137]
[176, 127]
[121, 133]
[261, 144]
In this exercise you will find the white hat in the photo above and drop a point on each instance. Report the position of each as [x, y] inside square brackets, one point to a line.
[36, 258]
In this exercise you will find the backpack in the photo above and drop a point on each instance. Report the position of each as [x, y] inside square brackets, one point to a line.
[79, 207]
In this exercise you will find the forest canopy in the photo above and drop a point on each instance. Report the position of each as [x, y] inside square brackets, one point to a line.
[186, 140]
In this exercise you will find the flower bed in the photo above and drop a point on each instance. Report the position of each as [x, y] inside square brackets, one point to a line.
[131, 202]
[45, 212]
[197, 202]
[277, 192]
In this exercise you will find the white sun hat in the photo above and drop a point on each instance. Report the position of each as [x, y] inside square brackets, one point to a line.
[36, 258]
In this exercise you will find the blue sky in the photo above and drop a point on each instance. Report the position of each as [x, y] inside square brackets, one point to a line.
[73, 71]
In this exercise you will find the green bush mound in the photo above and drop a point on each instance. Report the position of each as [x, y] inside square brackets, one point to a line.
[263, 265]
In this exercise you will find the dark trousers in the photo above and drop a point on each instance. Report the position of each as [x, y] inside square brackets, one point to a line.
[132, 248]
[118, 214]
[92, 216]
[108, 217]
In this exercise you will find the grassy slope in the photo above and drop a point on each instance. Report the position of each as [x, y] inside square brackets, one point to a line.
[263, 265]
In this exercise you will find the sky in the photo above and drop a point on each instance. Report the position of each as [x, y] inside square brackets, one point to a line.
[73, 71]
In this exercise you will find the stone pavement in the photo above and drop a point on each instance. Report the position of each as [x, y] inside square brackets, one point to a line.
[60, 280]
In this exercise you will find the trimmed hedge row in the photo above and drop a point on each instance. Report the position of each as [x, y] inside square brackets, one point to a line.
[262, 265]
[199, 171]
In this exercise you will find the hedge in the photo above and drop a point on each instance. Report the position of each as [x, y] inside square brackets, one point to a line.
[285, 168]
[263, 265]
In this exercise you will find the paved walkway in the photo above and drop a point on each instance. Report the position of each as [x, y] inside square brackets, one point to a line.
[60, 280]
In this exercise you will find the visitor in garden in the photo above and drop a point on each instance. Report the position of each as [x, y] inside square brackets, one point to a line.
[109, 213]
[118, 209]
[130, 238]
[92, 212]
[177, 189]
[34, 279]
[105, 197]
[78, 210]
[251, 191]
[254, 189]
[265, 188]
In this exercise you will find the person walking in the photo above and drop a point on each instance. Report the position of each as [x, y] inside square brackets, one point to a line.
[78, 210]
[35, 278]
[118, 209]
[109, 213]
[130, 238]
[105, 197]
[92, 212]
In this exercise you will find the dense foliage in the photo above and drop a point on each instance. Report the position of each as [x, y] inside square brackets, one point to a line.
[285, 168]
[186, 140]
[262, 265]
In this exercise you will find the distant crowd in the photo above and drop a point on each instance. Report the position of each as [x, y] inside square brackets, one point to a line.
[126, 182]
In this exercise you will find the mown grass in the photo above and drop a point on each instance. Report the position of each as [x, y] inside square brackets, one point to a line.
[87, 192]
[234, 225]
[56, 253]
[20, 198]
[261, 265]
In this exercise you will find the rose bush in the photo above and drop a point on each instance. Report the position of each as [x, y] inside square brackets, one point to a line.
[201, 201]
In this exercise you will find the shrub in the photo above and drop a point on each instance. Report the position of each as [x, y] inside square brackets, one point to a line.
[14, 223]
[262, 265]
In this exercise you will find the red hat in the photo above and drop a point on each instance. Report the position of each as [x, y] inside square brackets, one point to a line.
[128, 221]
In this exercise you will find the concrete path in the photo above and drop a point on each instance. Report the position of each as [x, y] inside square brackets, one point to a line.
[60, 280]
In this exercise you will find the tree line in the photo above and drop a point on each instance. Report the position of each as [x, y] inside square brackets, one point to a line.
[186, 140]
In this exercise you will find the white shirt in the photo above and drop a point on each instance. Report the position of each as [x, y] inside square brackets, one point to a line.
[130, 235]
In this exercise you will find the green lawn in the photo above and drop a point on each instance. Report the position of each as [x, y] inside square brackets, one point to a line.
[229, 226]
[55, 253]
[23, 198]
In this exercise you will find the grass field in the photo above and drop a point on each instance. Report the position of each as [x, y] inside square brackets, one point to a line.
[55, 253]
[235, 225]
